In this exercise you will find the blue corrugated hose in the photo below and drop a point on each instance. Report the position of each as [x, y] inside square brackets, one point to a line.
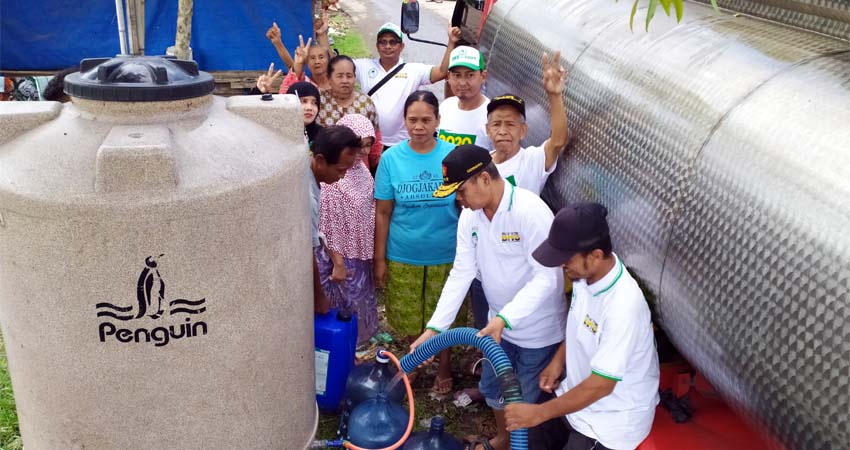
[504, 371]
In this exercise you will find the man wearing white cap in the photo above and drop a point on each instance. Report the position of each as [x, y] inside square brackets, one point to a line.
[463, 118]
[388, 80]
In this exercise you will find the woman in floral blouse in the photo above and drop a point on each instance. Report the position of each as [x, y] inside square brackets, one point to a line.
[343, 98]
[347, 219]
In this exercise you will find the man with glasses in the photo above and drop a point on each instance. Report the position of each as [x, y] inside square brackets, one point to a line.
[388, 85]
[529, 167]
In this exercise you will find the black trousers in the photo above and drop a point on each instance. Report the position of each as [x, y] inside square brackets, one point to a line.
[556, 434]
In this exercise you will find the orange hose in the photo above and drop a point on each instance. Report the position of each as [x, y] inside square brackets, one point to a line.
[398, 444]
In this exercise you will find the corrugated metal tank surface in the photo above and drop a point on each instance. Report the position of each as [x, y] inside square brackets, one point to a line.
[721, 146]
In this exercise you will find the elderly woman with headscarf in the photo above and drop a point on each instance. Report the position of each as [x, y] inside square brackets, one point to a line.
[347, 219]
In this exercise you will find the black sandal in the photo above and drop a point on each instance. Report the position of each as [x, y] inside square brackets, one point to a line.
[485, 443]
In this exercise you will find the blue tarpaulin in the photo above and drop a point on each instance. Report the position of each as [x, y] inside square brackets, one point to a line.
[226, 35]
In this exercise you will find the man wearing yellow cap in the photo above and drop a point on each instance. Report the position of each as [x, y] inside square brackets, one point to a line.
[498, 229]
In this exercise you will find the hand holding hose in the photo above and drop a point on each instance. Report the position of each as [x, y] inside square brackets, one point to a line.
[494, 329]
[522, 415]
[428, 334]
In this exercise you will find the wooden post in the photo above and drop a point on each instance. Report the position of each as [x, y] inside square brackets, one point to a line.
[184, 29]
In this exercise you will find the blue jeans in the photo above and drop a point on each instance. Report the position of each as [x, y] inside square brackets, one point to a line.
[480, 309]
[527, 363]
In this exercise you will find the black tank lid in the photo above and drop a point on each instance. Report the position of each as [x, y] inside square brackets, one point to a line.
[138, 79]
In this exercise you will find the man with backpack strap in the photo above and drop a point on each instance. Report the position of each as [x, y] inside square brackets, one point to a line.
[388, 80]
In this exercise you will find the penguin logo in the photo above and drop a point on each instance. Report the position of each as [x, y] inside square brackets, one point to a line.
[150, 298]
[150, 290]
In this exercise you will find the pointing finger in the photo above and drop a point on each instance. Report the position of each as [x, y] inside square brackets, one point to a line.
[301, 40]
[271, 69]
[309, 41]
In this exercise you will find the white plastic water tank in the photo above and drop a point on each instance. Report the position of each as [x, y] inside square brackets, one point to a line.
[155, 264]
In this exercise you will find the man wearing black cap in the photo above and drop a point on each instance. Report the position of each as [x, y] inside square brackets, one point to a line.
[529, 167]
[610, 390]
[497, 231]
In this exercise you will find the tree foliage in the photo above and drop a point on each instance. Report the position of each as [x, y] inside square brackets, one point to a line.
[677, 5]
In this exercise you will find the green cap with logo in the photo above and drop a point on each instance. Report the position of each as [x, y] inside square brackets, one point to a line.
[391, 28]
[465, 56]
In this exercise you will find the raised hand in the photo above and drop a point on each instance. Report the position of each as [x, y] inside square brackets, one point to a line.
[301, 52]
[273, 33]
[265, 82]
[454, 35]
[321, 25]
[554, 74]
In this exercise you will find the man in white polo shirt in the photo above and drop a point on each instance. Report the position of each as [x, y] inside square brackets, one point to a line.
[610, 390]
[390, 95]
[529, 167]
[498, 229]
[463, 118]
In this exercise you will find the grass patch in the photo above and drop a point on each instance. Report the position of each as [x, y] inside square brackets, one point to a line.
[10, 437]
[347, 40]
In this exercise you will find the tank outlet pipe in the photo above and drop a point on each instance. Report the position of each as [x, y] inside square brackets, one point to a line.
[501, 364]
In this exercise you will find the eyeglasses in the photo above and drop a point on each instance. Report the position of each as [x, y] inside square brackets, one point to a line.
[388, 42]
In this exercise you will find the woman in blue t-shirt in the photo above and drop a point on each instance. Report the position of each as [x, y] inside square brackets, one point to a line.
[415, 233]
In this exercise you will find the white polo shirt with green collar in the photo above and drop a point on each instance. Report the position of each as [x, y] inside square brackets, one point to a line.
[609, 333]
[526, 295]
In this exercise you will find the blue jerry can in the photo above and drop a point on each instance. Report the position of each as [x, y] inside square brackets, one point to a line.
[336, 339]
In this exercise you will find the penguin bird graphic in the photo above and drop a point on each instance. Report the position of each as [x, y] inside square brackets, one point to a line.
[150, 291]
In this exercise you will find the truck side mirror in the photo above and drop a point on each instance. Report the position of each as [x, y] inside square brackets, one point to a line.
[409, 16]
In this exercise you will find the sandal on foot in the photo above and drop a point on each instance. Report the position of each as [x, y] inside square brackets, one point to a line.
[442, 386]
[484, 443]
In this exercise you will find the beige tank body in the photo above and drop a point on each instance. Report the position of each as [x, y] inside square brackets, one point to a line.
[155, 274]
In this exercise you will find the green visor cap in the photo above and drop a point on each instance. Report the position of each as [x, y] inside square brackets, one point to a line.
[468, 57]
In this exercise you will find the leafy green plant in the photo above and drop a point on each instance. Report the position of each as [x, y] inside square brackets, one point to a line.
[677, 5]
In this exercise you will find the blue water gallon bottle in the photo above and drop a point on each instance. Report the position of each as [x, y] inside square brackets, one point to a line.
[368, 379]
[434, 439]
[377, 423]
[336, 340]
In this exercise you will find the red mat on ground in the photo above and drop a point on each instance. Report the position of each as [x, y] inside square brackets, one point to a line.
[714, 426]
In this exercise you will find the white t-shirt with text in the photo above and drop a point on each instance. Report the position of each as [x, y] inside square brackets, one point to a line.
[464, 127]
